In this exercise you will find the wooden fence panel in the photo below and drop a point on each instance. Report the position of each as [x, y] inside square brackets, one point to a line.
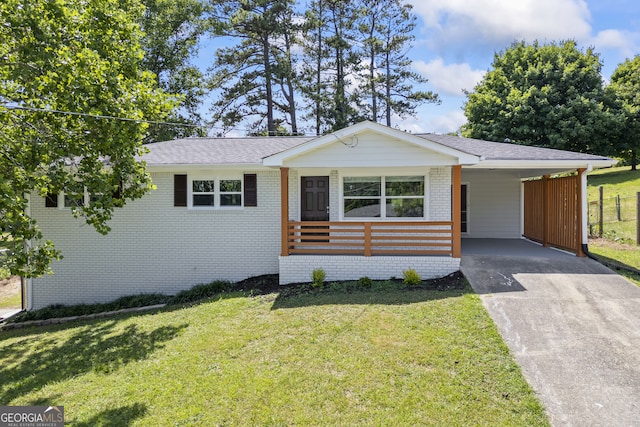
[563, 212]
[534, 210]
[551, 212]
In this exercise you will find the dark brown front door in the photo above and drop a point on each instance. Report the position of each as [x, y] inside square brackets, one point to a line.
[315, 198]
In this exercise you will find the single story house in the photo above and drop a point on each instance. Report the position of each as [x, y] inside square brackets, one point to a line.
[367, 200]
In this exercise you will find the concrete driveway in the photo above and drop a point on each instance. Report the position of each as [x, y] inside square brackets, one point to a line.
[572, 324]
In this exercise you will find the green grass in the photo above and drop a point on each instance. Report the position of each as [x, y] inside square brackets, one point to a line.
[615, 181]
[616, 254]
[390, 357]
[14, 301]
[620, 180]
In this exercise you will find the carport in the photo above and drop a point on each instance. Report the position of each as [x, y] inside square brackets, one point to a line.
[520, 191]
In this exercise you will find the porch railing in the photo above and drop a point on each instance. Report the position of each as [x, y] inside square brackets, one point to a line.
[370, 238]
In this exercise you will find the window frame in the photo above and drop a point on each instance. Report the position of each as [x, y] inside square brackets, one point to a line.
[384, 198]
[217, 178]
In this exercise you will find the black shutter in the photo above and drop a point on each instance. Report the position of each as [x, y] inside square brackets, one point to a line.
[180, 190]
[51, 201]
[250, 189]
[117, 194]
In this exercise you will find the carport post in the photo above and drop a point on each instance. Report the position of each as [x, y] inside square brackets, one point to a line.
[582, 232]
[456, 214]
[546, 210]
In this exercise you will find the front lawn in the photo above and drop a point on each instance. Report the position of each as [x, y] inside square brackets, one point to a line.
[386, 357]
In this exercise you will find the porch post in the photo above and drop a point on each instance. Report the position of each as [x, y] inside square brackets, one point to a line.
[284, 211]
[456, 214]
[581, 191]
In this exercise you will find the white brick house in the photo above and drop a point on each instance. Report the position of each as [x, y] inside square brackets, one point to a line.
[364, 201]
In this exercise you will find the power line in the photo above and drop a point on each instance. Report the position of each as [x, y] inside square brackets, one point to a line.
[98, 116]
[127, 119]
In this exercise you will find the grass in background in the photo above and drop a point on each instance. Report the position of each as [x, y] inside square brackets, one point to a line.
[389, 357]
[615, 181]
[620, 180]
[14, 301]
[618, 254]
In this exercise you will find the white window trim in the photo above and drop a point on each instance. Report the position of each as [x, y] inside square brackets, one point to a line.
[61, 199]
[383, 207]
[216, 194]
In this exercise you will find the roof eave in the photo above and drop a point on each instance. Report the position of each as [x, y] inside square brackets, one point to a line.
[203, 166]
[544, 164]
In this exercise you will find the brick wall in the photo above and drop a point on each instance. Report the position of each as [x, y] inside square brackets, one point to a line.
[440, 194]
[298, 268]
[156, 247]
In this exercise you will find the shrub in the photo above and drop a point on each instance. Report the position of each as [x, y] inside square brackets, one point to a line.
[4, 273]
[365, 282]
[317, 277]
[200, 292]
[411, 277]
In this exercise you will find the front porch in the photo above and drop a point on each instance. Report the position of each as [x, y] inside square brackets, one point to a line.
[378, 249]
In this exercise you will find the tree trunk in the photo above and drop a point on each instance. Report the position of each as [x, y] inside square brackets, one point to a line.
[319, 79]
[372, 76]
[387, 83]
[267, 81]
[634, 160]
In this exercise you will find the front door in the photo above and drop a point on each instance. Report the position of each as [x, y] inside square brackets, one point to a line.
[315, 198]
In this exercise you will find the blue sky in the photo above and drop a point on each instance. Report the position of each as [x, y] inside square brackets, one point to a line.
[456, 40]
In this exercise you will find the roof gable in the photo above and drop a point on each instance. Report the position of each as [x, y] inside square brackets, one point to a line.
[370, 144]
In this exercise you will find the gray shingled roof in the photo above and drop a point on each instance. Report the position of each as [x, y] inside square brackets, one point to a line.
[251, 150]
[218, 151]
[505, 151]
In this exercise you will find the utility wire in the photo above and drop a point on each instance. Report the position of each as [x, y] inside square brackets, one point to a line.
[126, 119]
[98, 116]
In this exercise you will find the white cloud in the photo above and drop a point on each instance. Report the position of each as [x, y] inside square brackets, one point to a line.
[503, 21]
[449, 79]
[625, 42]
[427, 122]
[449, 122]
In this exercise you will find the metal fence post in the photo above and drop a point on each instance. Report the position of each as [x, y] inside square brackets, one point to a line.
[601, 220]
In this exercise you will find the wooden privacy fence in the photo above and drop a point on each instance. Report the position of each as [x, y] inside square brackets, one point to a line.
[552, 212]
[370, 238]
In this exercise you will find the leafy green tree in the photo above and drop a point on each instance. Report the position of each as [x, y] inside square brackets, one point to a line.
[172, 30]
[625, 88]
[386, 29]
[545, 95]
[66, 70]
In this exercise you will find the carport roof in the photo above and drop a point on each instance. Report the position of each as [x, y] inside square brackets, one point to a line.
[489, 150]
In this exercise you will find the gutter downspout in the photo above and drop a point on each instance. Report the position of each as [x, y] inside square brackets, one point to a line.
[27, 282]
